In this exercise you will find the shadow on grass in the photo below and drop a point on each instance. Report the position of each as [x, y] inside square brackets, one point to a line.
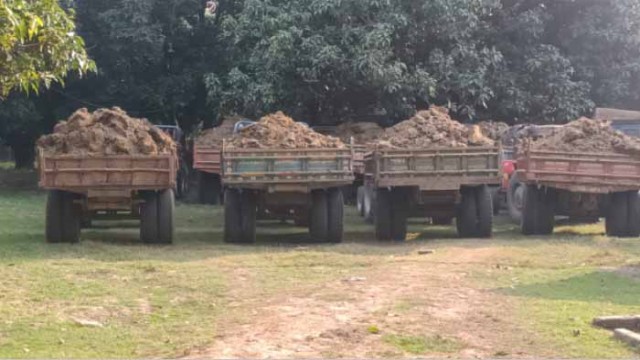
[599, 286]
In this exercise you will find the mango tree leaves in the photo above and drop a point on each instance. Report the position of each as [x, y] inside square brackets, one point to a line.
[38, 44]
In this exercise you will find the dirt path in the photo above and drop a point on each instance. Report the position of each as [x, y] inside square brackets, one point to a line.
[413, 296]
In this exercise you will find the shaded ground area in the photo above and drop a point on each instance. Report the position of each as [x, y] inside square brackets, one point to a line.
[285, 297]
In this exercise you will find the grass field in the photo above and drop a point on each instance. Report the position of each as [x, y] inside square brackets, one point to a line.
[112, 297]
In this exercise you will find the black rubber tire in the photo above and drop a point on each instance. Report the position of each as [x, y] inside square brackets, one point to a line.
[467, 218]
[70, 218]
[232, 216]
[248, 213]
[515, 212]
[149, 218]
[528, 223]
[484, 208]
[53, 230]
[618, 215]
[383, 212]
[360, 200]
[633, 215]
[335, 207]
[319, 219]
[539, 211]
[369, 205]
[547, 211]
[399, 215]
[166, 222]
[209, 188]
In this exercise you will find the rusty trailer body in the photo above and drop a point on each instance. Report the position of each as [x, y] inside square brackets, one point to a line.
[298, 184]
[437, 183]
[580, 185]
[85, 188]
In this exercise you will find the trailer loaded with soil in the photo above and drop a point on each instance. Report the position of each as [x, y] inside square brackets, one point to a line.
[108, 166]
[431, 166]
[281, 169]
[207, 160]
[584, 170]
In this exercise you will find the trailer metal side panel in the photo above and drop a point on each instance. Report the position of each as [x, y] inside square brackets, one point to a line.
[207, 159]
[90, 173]
[598, 173]
[294, 170]
[434, 169]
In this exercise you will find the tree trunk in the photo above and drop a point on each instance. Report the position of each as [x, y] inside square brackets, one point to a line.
[24, 155]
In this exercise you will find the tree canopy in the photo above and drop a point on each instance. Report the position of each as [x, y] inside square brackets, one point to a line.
[330, 61]
[38, 44]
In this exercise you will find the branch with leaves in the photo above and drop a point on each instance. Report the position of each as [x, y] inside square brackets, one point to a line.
[38, 45]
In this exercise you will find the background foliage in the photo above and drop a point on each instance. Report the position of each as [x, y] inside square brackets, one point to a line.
[328, 61]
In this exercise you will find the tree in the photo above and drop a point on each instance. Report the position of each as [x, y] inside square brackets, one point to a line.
[38, 45]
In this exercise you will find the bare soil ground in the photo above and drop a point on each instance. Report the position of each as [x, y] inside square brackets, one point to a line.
[413, 297]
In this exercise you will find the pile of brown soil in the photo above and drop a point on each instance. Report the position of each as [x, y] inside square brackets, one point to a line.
[281, 132]
[214, 137]
[361, 132]
[433, 128]
[106, 132]
[493, 130]
[588, 136]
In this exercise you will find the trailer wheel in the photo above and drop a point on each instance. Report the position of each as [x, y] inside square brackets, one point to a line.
[547, 211]
[248, 211]
[70, 219]
[232, 216]
[335, 207]
[53, 231]
[383, 213]
[466, 220]
[484, 208]
[539, 211]
[633, 222]
[166, 209]
[516, 198]
[319, 220]
[369, 205]
[399, 208]
[360, 200]
[618, 215]
[149, 218]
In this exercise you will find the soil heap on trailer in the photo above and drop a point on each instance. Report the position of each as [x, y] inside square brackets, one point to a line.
[584, 170]
[431, 166]
[207, 159]
[281, 169]
[107, 165]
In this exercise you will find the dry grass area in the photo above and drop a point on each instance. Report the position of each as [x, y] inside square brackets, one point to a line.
[112, 297]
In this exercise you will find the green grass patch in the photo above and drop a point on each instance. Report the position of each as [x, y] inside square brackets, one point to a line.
[420, 345]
